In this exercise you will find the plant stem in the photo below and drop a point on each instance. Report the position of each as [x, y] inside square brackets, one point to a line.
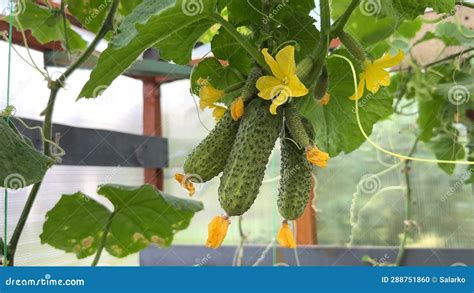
[256, 55]
[243, 238]
[63, 15]
[55, 86]
[343, 19]
[449, 57]
[408, 203]
[103, 240]
[320, 53]
[266, 25]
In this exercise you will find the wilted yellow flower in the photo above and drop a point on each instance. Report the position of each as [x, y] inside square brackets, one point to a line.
[284, 83]
[208, 95]
[217, 230]
[185, 183]
[218, 111]
[237, 108]
[317, 157]
[375, 75]
[285, 236]
[325, 100]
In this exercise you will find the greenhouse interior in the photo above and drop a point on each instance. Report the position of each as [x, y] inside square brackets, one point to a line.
[237, 133]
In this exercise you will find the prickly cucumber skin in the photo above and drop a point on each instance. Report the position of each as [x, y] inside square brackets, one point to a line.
[245, 168]
[208, 159]
[295, 183]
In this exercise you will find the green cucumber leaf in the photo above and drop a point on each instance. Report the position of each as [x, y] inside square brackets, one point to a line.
[244, 13]
[445, 147]
[376, 20]
[409, 29]
[75, 224]
[225, 47]
[450, 34]
[174, 30]
[127, 6]
[429, 117]
[91, 14]
[141, 215]
[302, 32]
[218, 75]
[46, 25]
[411, 9]
[335, 124]
[247, 12]
[21, 164]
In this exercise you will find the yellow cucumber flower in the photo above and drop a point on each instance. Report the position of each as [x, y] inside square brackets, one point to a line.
[208, 95]
[218, 111]
[237, 108]
[217, 230]
[317, 157]
[285, 236]
[284, 83]
[325, 100]
[184, 181]
[375, 74]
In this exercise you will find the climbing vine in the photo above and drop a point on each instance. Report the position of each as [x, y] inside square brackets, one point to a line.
[273, 75]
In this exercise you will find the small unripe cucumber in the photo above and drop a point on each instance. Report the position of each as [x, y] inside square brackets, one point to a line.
[353, 45]
[295, 183]
[322, 86]
[208, 159]
[245, 168]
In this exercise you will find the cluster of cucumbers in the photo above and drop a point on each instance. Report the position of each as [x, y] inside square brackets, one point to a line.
[240, 150]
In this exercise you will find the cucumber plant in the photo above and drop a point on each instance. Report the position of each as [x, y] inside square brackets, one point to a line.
[273, 74]
[77, 223]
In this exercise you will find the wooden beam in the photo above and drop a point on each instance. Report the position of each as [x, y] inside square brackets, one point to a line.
[152, 124]
[94, 147]
[306, 225]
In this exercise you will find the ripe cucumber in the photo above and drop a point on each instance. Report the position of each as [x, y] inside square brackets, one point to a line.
[245, 168]
[208, 159]
[295, 183]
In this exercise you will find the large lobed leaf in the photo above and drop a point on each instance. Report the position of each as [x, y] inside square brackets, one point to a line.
[335, 124]
[21, 164]
[374, 21]
[141, 216]
[173, 29]
[46, 25]
[447, 148]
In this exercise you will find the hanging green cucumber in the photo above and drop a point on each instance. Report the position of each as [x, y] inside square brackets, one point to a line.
[295, 183]
[208, 159]
[245, 168]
